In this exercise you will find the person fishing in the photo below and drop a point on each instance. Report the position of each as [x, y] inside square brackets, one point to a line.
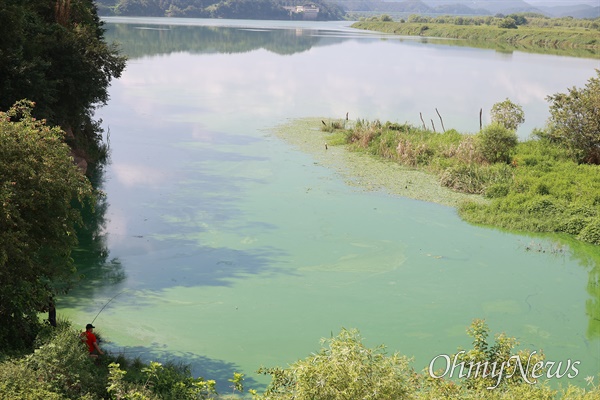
[90, 339]
[88, 336]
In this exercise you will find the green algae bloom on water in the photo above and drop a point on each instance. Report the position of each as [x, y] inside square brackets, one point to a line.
[366, 171]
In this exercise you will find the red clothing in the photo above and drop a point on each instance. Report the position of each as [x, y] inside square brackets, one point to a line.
[90, 340]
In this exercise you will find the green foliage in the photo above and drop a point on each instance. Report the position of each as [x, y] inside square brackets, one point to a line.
[39, 184]
[507, 23]
[575, 120]
[508, 114]
[545, 194]
[343, 369]
[477, 178]
[500, 353]
[518, 18]
[332, 126]
[158, 381]
[590, 230]
[496, 143]
[119, 389]
[541, 190]
[578, 38]
[59, 368]
[53, 53]
[17, 381]
[61, 360]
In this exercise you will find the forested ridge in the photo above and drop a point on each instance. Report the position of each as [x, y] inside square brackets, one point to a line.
[245, 9]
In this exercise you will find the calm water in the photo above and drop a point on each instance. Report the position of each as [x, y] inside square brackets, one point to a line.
[230, 249]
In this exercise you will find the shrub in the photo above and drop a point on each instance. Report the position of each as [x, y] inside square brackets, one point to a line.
[507, 23]
[496, 143]
[574, 225]
[343, 369]
[17, 381]
[575, 121]
[591, 233]
[63, 362]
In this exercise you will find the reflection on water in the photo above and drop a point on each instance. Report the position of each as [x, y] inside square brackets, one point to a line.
[235, 250]
[152, 36]
[142, 41]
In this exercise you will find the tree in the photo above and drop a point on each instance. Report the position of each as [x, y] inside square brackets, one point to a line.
[508, 114]
[507, 23]
[54, 53]
[518, 18]
[575, 120]
[39, 188]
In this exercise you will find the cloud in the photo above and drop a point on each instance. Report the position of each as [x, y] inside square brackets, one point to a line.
[131, 175]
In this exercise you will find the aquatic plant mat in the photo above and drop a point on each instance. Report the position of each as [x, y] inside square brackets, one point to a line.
[367, 171]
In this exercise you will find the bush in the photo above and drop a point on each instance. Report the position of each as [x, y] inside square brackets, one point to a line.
[591, 233]
[575, 121]
[344, 369]
[62, 361]
[507, 23]
[574, 225]
[496, 143]
[17, 381]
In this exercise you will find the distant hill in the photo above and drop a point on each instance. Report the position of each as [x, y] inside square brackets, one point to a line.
[405, 6]
[561, 3]
[551, 8]
[335, 9]
[459, 9]
[576, 11]
[493, 6]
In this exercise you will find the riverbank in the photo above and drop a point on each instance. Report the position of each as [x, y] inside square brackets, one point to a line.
[542, 190]
[574, 42]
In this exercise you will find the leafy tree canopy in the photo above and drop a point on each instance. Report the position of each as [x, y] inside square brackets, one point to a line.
[39, 186]
[54, 53]
[509, 114]
[575, 120]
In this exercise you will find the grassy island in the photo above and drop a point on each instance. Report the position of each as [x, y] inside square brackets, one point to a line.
[566, 36]
[550, 183]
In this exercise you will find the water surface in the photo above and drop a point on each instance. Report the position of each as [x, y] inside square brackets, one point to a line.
[233, 249]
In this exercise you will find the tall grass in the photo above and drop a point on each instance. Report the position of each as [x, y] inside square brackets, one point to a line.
[535, 187]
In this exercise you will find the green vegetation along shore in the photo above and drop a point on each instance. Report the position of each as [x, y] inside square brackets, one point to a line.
[549, 183]
[579, 38]
[343, 368]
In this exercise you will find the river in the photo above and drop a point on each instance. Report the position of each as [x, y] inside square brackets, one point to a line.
[229, 249]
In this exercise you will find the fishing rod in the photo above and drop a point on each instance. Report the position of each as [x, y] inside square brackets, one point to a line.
[107, 303]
